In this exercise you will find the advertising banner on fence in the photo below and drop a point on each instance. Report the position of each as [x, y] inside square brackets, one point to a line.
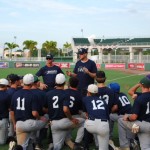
[27, 65]
[98, 66]
[62, 65]
[4, 65]
[136, 66]
[114, 66]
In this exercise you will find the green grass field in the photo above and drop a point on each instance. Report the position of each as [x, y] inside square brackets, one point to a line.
[125, 80]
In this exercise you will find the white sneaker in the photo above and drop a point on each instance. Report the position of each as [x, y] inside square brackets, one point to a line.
[12, 144]
[111, 143]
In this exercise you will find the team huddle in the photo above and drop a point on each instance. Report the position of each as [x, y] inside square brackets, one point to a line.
[32, 110]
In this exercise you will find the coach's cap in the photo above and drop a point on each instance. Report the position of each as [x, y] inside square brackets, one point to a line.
[49, 56]
[115, 87]
[60, 78]
[28, 79]
[4, 82]
[36, 79]
[13, 77]
[82, 51]
[92, 88]
[100, 74]
[145, 81]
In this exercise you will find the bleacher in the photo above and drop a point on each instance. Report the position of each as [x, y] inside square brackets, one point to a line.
[104, 42]
[137, 41]
[112, 41]
[81, 42]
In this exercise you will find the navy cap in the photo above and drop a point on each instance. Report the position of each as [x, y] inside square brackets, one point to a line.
[115, 87]
[13, 77]
[49, 56]
[82, 50]
[148, 76]
[100, 74]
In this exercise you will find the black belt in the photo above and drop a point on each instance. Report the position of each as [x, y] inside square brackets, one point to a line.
[103, 120]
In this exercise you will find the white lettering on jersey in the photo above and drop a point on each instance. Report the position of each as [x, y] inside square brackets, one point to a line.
[72, 99]
[105, 98]
[51, 72]
[98, 104]
[148, 110]
[20, 104]
[55, 103]
[124, 100]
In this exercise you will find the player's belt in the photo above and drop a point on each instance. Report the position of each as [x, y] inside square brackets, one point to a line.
[92, 118]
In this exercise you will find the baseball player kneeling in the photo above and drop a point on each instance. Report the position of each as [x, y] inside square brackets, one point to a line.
[139, 121]
[24, 113]
[97, 116]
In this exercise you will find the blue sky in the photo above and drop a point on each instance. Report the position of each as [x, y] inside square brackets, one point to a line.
[60, 20]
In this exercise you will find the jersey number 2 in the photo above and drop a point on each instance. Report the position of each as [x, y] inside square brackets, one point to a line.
[20, 104]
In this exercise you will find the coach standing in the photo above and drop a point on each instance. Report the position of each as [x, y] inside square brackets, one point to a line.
[85, 70]
[49, 72]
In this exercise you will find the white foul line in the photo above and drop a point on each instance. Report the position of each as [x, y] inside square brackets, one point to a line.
[127, 76]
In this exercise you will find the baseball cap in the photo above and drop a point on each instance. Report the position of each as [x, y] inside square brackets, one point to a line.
[13, 77]
[60, 78]
[49, 56]
[100, 74]
[28, 79]
[4, 82]
[82, 51]
[115, 87]
[145, 81]
[92, 88]
[36, 79]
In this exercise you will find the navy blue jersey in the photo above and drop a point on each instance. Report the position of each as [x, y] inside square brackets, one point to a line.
[11, 91]
[48, 74]
[23, 103]
[138, 93]
[124, 105]
[73, 101]
[40, 99]
[55, 102]
[95, 107]
[141, 107]
[5, 100]
[108, 96]
[84, 79]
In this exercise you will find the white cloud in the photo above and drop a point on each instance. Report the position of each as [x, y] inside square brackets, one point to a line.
[14, 14]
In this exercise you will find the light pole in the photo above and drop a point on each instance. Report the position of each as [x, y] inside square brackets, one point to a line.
[115, 55]
[82, 32]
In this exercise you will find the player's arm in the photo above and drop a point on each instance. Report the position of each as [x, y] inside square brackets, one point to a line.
[35, 114]
[114, 108]
[70, 74]
[92, 75]
[12, 116]
[131, 117]
[133, 89]
[68, 115]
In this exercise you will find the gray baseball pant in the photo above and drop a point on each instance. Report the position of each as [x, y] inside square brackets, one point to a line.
[101, 129]
[60, 129]
[3, 130]
[144, 133]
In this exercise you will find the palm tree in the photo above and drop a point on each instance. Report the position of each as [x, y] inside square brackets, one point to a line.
[66, 47]
[10, 47]
[50, 47]
[30, 45]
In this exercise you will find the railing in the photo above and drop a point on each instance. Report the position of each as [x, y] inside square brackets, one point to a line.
[105, 59]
